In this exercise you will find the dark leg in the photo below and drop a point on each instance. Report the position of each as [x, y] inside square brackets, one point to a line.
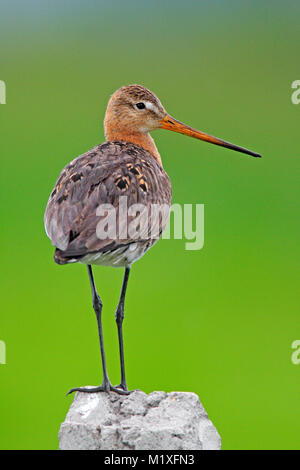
[106, 385]
[119, 320]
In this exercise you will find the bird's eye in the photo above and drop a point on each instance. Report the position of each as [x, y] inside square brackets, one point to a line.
[140, 105]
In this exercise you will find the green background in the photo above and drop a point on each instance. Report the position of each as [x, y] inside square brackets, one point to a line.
[220, 321]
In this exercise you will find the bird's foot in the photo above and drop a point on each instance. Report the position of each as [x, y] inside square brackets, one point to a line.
[122, 386]
[105, 387]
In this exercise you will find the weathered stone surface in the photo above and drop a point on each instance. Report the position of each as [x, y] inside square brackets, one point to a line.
[158, 421]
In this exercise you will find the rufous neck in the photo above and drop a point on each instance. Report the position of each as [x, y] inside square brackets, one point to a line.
[144, 140]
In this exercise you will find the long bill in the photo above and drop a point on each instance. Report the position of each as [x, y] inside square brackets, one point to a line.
[168, 122]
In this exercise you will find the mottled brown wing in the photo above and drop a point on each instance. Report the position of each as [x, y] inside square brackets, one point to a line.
[99, 177]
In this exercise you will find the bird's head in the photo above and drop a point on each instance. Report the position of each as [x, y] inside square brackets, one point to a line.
[134, 110]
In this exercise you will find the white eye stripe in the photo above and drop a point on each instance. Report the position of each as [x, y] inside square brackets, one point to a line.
[151, 106]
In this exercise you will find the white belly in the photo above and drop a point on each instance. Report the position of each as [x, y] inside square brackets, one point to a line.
[121, 257]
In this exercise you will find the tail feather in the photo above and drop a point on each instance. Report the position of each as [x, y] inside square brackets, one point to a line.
[61, 258]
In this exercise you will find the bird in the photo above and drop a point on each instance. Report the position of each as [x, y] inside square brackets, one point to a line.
[127, 165]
